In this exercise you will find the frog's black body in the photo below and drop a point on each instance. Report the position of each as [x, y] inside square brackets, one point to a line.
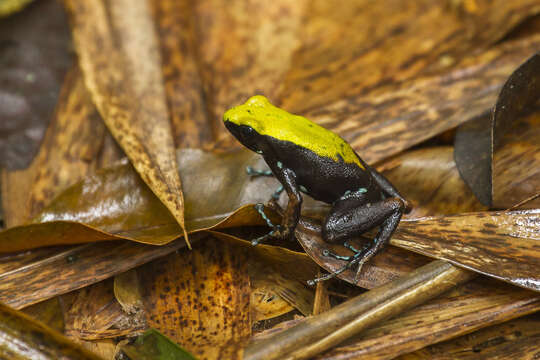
[360, 197]
[315, 173]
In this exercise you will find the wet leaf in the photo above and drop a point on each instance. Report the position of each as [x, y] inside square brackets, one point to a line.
[119, 56]
[34, 57]
[498, 158]
[115, 204]
[153, 345]
[200, 299]
[469, 307]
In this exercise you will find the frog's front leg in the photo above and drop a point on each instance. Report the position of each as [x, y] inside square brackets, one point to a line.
[291, 216]
[351, 216]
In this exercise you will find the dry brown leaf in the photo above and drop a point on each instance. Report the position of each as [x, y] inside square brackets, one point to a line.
[505, 245]
[93, 313]
[183, 86]
[200, 299]
[53, 273]
[119, 55]
[516, 339]
[245, 48]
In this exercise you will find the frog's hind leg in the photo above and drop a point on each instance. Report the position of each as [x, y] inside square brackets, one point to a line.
[352, 216]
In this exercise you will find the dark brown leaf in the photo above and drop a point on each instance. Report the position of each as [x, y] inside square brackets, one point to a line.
[34, 57]
[499, 157]
[69, 151]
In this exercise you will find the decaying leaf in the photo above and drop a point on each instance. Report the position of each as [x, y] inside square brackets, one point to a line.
[283, 272]
[119, 56]
[319, 333]
[505, 245]
[204, 309]
[115, 204]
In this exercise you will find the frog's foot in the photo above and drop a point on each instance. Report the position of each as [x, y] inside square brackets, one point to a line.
[275, 228]
[357, 258]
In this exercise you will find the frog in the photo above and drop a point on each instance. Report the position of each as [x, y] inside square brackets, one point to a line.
[307, 158]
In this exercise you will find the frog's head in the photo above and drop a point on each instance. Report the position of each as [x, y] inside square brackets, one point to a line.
[247, 121]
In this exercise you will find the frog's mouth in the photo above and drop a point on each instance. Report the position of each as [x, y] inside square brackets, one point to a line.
[245, 134]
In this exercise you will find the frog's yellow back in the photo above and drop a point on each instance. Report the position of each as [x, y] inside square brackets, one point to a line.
[266, 119]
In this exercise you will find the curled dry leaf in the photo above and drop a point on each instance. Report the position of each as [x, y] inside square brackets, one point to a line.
[283, 272]
[119, 56]
[93, 313]
[499, 158]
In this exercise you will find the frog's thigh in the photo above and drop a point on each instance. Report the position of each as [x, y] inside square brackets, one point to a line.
[352, 217]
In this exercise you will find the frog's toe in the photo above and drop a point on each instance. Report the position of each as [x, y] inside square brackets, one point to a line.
[254, 172]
